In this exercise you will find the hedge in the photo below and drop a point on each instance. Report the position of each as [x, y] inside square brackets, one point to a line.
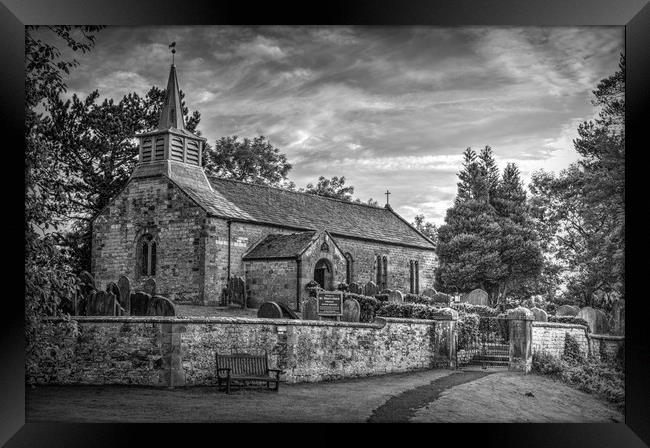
[368, 306]
[568, 320]
[437, 300]
[481, 310]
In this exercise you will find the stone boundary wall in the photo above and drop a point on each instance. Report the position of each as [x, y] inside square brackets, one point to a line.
[172, 351]
[607, 347]
[549, 337]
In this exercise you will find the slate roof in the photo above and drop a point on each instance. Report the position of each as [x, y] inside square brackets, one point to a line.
[281, 246]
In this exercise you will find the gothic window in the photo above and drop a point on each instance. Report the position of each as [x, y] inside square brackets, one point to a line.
[382, 272]
[147, 255]
[348, 268]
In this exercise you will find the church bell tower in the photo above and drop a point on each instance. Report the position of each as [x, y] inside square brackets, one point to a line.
[171, 141]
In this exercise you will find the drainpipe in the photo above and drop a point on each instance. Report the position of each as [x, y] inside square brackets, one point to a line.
[229, 223]
[298, 275]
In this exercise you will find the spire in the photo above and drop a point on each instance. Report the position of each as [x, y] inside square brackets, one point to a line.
[172, 113]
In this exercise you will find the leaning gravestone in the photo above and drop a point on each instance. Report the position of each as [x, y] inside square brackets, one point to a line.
[124, 285]
[429, 292]
[269, 310]
[287, 313]
[477, 297]
[160, 306]
[370, 289]
[87, 279]
[596, 319]
[540, 314]
[150, 287]
[567, 310]
[113, 289]
[310, 310]
[351, 311]
[395, 296]
[355, 288]
[139, 303]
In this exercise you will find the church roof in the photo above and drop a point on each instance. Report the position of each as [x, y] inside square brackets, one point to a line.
[301, 211]
[281, 246]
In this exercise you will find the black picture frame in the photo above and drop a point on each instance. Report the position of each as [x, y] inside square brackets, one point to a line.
[633, 14]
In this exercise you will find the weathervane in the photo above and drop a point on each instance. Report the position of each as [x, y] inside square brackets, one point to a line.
[173, 47]
[387, 193]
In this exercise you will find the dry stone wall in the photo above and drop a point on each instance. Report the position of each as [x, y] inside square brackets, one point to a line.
[165, 351]
[549, 337]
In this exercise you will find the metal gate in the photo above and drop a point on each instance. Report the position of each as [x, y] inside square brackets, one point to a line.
[489, 347]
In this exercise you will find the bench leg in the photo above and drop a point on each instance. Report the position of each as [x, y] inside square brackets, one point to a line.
[228, 386]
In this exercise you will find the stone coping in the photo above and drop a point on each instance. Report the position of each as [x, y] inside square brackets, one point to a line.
[558, 325]
[380, 322]
[607, 337]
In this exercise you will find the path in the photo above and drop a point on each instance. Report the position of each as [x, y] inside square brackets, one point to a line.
[424, 396]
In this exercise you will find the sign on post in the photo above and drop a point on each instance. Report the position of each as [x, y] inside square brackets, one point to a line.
[330, 303]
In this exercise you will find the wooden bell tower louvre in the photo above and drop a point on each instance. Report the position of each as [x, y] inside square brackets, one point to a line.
[170, 141]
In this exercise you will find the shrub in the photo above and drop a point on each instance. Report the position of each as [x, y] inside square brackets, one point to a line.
[468, 328]
[382, 297]
[481, 310]
[439, 299]
[368, 306]
[342, 287]
[587, 374]
[572, 349]
[568, 320]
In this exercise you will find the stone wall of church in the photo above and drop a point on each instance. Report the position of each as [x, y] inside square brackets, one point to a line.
[364, 266]
[271, 280]
[151, 205]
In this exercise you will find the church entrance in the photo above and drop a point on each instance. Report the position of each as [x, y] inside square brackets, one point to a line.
[323, 273]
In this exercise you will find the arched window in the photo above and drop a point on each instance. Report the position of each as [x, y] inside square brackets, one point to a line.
[412, 277]
[147, 255]
[348, 268]
[417, 277]
[379, 270]
[384, 278]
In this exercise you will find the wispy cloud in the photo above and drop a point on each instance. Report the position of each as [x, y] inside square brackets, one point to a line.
[387, 107]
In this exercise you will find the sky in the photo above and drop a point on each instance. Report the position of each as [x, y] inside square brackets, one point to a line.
[387, 107]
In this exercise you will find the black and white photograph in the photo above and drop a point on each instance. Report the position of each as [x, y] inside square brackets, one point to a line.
[325, 223]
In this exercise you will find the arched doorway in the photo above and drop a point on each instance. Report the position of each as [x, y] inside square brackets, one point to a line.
[323, 274]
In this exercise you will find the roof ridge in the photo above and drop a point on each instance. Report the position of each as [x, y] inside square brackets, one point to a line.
[376, 207]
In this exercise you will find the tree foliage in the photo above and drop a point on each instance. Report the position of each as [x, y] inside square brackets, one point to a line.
[331, 188]
[581, 211]
[248, 160]
[427, 228]
[488, 240]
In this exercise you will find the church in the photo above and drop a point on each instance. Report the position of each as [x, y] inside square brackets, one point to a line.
[192, 232]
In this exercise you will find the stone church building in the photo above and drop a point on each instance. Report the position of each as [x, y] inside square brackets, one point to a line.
[192, 232]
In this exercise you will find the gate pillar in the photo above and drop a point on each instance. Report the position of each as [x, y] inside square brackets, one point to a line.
[520, 324]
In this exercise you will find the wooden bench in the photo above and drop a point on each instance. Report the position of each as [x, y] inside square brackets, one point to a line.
[243, 367]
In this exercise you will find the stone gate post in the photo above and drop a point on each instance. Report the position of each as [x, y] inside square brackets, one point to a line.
[520, 326]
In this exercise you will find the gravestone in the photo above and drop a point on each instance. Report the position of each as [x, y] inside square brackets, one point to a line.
[355, 288]
[477, 297]
[89, 303]
[160, 306]
[269, 310]
[540, 314]
[139, 303]
[113, 289]
[351, 311]
[429, 292]
[101, 303]
[237, 291]
[617, 319]
[124, 285]
[567, 310]
[396, 296]
[150, 287]
[287, 313]
[596, 318]
[370, 289]
[87, 279]
[310, 310]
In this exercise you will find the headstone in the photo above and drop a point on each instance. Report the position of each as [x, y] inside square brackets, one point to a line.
[429, 292]
[310, 309]
[567, 310]
[351, 311]
[269, 310]
[139, 303]
[89, 308]
[113, 289]
[596, 318]
[101, 303]
[370, 289]
[287, 313]
[150, 287]
[617, 319]
[396, 296]
[355, 288]
[540, 314]
[477, 297]
[124, 285]
[160, 306]
[87, 279]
